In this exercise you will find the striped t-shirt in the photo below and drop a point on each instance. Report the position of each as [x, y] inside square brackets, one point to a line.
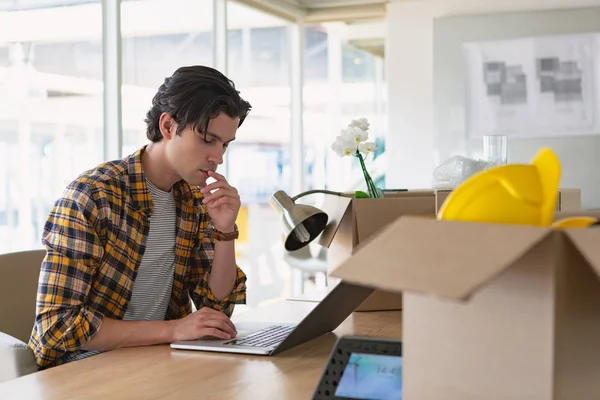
[154, 281]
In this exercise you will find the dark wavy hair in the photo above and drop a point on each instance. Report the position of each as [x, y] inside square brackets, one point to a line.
[193, 96]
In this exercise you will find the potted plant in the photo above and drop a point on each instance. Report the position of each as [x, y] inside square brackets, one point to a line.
[353, 141]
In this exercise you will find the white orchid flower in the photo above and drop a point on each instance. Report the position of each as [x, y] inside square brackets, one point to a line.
[367, 147]
[343, 146]
[352, 141]
[356, 135]
[349, 149]
[362, 124]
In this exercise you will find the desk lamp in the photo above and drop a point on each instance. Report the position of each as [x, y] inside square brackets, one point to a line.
[301, 223]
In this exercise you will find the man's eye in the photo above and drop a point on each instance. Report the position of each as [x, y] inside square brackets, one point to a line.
[207, 141]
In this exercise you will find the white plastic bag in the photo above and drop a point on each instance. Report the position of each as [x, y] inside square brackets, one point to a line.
[453, 171]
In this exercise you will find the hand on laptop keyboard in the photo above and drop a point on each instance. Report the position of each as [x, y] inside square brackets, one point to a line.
[266, 337]
[203, 323]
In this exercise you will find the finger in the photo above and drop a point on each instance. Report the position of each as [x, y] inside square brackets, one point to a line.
[216, 185]
[216, 314]
[218, 324]
[213, 332]
[216, 175]
[219, 194]
[224, 201]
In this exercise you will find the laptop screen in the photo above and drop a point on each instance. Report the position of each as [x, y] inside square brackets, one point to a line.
[328, 314]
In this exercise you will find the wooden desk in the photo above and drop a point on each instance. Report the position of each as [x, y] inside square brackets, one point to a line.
[158, 372]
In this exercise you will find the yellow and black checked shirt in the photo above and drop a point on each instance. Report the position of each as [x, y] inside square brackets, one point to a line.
[95, 237]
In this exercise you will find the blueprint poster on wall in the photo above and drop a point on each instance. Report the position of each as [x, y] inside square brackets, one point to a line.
[533, 87]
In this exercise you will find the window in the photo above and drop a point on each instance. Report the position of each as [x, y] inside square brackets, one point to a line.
[158, 36]
[342, 83]
[258, 162]
[50, 110]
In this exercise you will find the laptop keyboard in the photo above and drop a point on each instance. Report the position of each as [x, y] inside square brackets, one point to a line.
[265, 337]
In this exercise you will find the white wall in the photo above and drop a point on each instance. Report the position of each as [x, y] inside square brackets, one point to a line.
[409, 55]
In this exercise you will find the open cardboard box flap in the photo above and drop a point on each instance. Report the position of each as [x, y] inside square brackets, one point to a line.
[368, 222]
[451, 259]
[587, 242]
[336, 207]
[354, 220]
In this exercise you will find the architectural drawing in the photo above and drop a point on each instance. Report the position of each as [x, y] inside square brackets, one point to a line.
[533, 87]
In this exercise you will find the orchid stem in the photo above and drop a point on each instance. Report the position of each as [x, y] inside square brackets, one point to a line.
[373, 193]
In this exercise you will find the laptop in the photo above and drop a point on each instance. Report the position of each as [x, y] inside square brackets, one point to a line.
[272, 338]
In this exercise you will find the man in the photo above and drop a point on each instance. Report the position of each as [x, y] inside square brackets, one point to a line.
[131, 241]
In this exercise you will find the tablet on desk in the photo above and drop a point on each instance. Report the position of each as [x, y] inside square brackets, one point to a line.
[362, 368]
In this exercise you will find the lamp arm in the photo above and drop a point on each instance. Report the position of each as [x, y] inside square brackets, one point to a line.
[321, 191]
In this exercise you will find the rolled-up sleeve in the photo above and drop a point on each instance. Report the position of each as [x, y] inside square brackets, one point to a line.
[64, 322]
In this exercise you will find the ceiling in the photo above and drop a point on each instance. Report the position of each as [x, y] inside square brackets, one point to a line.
[333, 3]
[364, 18]
[314, 11]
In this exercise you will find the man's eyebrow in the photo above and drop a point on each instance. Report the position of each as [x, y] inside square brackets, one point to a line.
[214, 135]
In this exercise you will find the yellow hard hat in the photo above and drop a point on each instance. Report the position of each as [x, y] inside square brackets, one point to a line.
[575, 222]
[548, 166]
[523, 194]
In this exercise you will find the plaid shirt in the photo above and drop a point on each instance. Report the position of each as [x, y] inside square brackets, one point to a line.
[95, 238]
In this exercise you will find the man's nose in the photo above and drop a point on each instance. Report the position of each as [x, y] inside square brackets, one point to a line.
[216, 159]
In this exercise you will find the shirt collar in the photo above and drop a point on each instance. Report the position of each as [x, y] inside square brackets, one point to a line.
[182, 192]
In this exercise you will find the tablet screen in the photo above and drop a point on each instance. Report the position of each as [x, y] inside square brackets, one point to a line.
[371, 376]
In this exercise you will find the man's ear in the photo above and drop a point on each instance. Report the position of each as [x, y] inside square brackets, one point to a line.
[167, 125]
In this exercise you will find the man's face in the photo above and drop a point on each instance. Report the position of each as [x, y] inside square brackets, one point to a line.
[190, 156]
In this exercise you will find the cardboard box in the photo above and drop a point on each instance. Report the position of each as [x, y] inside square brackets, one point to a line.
[491, 311]
[352, 221]
[568, 199]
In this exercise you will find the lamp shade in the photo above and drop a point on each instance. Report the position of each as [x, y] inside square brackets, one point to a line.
[301, 223]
